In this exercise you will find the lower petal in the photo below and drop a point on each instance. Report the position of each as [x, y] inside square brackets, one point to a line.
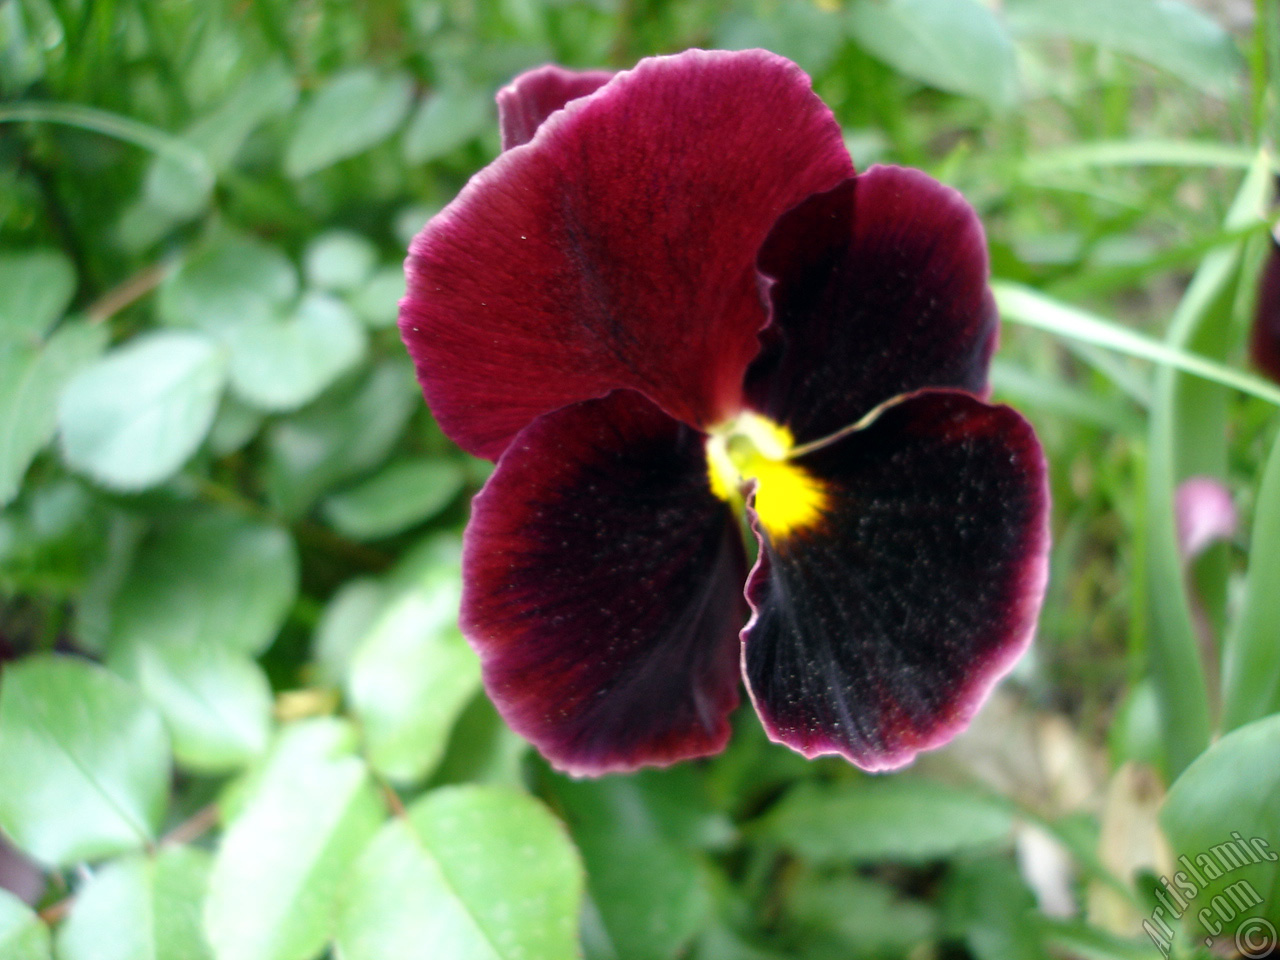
[603, 589]
[880, 628]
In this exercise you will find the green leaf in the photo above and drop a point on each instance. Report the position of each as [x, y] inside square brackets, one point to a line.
[234, 426]
[234, 280]
[281, 365]
[479, 873]
[869, 918]
[84, 762]
[1166, 33]
[339, 260]
[901, 818]
[22, 934]
[274, 888]
[267, 92]
[396, 498]
[410, 676]
[377, 303]
[955, 45]
[31, 379]
[651, 894]
[353, 112]
[1221, 816]
[804, 32]
[987, 904]
[36, 287]
[1251, 667]
[340, 437]
[133, 418]
[446, 120]
[140, 908]
[212, 581]
[216, 703]
[344, 623]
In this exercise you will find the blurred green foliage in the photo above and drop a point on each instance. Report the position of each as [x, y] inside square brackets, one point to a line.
[237, 719]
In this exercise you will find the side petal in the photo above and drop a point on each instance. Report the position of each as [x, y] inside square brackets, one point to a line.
[879, 288]
[533, 96]
[1264, 343]
[603, 589]
[879, 630]
[617, 249]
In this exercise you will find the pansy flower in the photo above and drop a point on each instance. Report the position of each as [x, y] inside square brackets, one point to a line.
[670, 306]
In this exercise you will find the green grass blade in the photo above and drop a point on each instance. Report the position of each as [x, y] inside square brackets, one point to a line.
[1140, 153]
[1030, 308]
[112, 125]
[1251, 672]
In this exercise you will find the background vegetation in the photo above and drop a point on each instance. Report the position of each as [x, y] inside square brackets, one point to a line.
[237, 720]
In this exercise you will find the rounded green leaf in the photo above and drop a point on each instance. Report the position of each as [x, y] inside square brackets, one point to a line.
[396, 498]
[216, 703]
[339, 260]
[281, 365]
[35, 288]
[273, 892]
[133, 418]
[22, 934]
[955, 45]
[340, 437]
[902, 818]
[446, 120]
[140, 908]
[409, 678]
[215, 580]
[1223, 822]
[377, 303]
[355, 111]
[31, 379]
[84, 761]
[477, 873]
[232, 281]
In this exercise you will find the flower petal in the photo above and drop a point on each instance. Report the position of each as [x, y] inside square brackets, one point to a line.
[617, 249]
[603, 589]
[1264, 344]
[1205, 515]
[533, 96]
[879, 288]
[879, 631]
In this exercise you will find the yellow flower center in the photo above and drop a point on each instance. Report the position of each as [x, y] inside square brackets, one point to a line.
[751, 447]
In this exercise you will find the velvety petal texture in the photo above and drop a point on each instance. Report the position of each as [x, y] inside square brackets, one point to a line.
[617, 248]
[1264, 344]
[879, 288]
[533, 96]
[603, 589]
[878, 631]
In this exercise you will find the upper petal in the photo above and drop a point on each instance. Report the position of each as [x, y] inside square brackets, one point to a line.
[617, 248]
[533, 96]
[1264, 344]
[879, 289]
[879, 629]
[603, 589]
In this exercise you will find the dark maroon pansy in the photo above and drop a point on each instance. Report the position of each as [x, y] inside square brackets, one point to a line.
[1264, 345]
[669, 307]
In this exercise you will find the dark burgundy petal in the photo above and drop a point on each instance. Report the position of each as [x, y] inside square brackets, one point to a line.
[533, 96]
[879, 630]
[603, 589]
[617, 249]
[1264, 345]
[880, 289]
